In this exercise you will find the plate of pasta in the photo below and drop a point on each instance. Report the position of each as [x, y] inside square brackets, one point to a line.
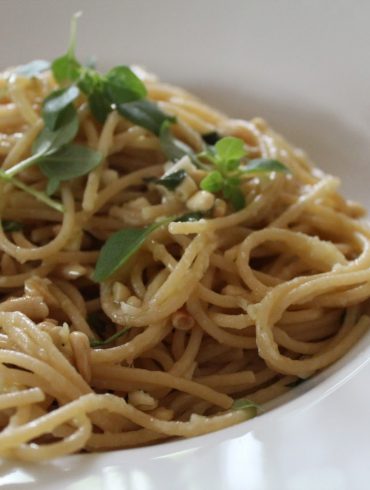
[184, 284]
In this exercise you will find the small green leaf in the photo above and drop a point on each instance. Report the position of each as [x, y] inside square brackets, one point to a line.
[146, 114]
[121, 85]
[213, 182]
[55, 105]
[100, 105]
[263, 165]
[32, 69]
[52, 186]
[119, 248]
[9, 226]
[66, 68]
[211, 138]
[172, 180]
[100, 343]
[173, 148]
[50, 141]
[235, 195]
[230, 148]
[68, 163]
[189, 217]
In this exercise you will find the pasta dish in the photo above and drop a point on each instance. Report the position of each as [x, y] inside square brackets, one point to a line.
[165, 270]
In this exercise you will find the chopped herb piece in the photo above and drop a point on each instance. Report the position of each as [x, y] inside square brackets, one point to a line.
[211, 138]
[10, 226]
[263, 165]
[189, 217]
[172, 180]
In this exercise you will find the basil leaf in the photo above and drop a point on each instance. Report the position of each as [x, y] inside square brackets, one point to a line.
[119, 247]
[11, 225]
[244, 404]
[121, 85]
[49, 141]
[263, 165]
[66, 68]
[211, 138]
[230, 148]
[189, 217]
[173, 148]
[55, 104]
[146, 114]
[68, 163]
[32, 69]
[234, 194]
[100, 105]
[213, 182]
[172, 180]
[99, 343]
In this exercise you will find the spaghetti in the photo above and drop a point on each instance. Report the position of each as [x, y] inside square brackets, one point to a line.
[237, 304]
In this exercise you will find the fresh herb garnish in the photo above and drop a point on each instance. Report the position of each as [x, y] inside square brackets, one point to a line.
[101, 343]
[263, 165]
[10, 226]
[57, 106]
[40, 196]
[229, 157]
[173, 148]
[211, 138]
[123, 244]
[70, 162]
[120, 247]
[189, 217]
[172, 180]
[66, 68]
[146, 114]
[32, 69]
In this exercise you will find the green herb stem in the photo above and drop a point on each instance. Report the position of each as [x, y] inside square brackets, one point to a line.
[23, 165]
[40, 196]
[100, 343]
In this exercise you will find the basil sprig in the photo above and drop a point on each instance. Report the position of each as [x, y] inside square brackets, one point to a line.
[118, 89]
[230, 164]
[123, 244]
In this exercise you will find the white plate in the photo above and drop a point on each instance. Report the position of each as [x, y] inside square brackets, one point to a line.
[305, 67]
